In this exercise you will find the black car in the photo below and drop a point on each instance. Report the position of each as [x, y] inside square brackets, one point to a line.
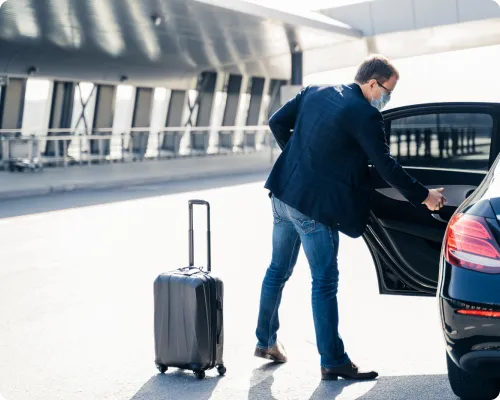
[454, 253]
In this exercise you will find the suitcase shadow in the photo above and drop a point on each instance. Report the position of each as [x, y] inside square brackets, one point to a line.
[177, 384]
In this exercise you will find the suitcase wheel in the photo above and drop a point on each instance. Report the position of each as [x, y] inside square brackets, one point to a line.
[162, 368]
[199, 374]
[221, 369]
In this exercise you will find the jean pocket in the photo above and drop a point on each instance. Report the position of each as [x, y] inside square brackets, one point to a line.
[276, 216]
[305, 226]
[302, 222]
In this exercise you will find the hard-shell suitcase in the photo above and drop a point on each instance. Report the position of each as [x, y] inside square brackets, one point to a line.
[188, 313]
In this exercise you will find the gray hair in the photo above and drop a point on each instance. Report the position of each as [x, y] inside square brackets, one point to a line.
[376, 67]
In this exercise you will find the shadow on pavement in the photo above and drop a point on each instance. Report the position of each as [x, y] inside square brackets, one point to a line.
[422, 387]
[178, 385]
[61, 201]
[330, 390]
[261, 382]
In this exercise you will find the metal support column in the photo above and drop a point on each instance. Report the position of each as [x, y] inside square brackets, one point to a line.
[61, 112]
[103, 118]
[297, 69]
[256, 90]
[288, 92]
[11, 109]
[206, 92]
[233, 90]
[275, 104]
[274, 93]
[282, 93]
[12, 104]
[142, 119]
[172, 140]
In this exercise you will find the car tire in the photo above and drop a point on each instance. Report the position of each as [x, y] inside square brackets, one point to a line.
[468, 386]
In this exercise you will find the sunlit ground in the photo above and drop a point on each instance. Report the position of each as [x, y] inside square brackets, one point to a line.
[76, 304]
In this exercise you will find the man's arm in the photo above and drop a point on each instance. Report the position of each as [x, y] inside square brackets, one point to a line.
[283, 121]
[370, 134]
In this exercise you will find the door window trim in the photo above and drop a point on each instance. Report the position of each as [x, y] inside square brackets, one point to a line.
[492, 109]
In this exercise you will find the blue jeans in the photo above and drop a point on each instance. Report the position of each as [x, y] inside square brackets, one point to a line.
[321, 243]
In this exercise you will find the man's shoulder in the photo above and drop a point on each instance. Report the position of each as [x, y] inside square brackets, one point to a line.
[361, 114]
[363, 110]
[341, 91]
[366, 110]
[326, 88]
[353, 101]
[315, 88]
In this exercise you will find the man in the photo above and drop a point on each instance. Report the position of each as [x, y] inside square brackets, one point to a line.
[320, 186]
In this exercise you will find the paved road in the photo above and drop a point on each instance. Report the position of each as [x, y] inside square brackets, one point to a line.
[76, 278]
[118, 175]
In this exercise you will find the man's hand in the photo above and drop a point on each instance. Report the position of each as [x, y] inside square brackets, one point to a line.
[435, 200]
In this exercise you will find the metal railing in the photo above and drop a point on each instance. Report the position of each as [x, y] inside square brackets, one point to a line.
[63, 147]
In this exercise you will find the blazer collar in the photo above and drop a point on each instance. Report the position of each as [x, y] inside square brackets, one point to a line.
[356, 89]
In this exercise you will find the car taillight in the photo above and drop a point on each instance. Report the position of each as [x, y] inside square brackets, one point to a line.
[480, 313]
[470, 244]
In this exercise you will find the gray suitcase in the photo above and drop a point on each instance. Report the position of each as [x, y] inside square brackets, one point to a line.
[188, 314]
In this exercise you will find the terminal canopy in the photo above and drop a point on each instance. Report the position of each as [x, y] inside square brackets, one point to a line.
[170, 42]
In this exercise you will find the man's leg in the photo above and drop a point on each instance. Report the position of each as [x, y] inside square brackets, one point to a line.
[325, 276]
[321, 245]
[321, 248]
[286, 246]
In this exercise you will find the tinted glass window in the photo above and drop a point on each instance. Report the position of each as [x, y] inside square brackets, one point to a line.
[447, 140]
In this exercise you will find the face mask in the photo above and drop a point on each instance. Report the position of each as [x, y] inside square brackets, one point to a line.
[379, 104]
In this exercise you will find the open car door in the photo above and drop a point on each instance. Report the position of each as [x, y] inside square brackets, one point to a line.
[450, 145]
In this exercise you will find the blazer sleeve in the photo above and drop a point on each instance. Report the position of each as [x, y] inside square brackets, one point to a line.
[370, 133]
[282, 121]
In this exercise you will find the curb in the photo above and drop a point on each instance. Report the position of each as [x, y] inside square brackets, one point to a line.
[89, 186]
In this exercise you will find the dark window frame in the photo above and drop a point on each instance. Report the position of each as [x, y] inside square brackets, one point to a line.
[394, 115]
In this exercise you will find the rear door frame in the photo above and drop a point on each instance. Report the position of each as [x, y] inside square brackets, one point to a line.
[407, 285]
[427, 108]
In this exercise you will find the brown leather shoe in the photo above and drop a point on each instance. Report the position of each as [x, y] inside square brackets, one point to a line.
[275, 353]
[347, 371]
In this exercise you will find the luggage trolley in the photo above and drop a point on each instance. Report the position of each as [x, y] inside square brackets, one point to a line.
[22, 153]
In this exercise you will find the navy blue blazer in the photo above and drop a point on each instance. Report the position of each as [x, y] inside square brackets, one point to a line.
[323, 168]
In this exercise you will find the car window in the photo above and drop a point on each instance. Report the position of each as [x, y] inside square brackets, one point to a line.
[444, 140]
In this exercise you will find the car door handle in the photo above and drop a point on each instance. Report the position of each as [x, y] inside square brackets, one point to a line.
[439, 218]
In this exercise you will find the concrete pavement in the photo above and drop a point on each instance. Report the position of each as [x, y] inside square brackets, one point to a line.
[76, 302]
[108, 176]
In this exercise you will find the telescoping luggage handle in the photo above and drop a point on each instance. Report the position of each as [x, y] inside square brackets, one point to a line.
[191, 233]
